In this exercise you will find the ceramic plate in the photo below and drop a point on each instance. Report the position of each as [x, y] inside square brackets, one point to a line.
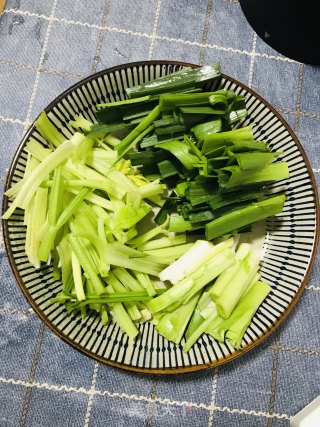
[289, 239]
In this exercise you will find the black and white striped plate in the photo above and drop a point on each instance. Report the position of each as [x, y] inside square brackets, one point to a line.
[289, 245]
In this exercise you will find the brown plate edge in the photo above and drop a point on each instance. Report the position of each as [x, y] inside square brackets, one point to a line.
[160, 371]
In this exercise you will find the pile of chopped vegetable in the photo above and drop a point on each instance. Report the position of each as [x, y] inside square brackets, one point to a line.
[141, 212]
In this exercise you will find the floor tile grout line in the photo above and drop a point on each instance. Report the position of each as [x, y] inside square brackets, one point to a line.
[6, 310]
[253, 52]
[299, 98]
[205, 31]
[41, 69]
[134, 397]
[154, 29]
[100, 36]
[91, 394]
[27, 397]
[213, 397]
[274, 375]
[151, 36]
[151, 405]
[286, 348]
[41, 60]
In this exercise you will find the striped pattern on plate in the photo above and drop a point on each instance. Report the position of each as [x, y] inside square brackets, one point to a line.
[288, 249]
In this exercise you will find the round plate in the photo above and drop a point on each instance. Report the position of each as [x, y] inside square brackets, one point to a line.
[288, 250]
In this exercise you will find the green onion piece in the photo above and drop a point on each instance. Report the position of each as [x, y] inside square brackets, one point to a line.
[244, 216]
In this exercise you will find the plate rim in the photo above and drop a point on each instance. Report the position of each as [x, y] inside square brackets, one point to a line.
[173, 370]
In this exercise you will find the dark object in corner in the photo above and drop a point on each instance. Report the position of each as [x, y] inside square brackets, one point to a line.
[291, 27]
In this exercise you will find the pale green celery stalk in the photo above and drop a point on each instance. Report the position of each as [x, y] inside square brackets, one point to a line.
[101, 229]
[172, 325]
[101, 160]
[163, 242]
[56, 197]
[41, 173]
[64, 253]
[50, 235]
[77, 277]
[37, 150]
[86, 264]
[171, 252]
[213, 319]
[119, 179]
[80, 155]
[143, 238]
[235, 326]
[186, 288]
[81, 122]
[119, 258]
[112, 140]
[236, 287]
[151, 189]
[198, 254]
[157, 200]
[35, 220]
[240, 218]
[123, 319]
[48, 130]
[204, 309]
[90, 292]
[131, 138]
[145, 282]
[95, 199]
[117, 286]
[14, 190]
[131, 283]
[29, 233]
[127, 251]
[104, 185]
[104, 315]
[222, 281]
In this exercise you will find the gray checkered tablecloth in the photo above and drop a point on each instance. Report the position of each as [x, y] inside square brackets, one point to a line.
[46, 46]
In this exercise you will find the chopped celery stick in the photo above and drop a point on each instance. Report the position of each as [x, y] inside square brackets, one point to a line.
[86, 264]
[77, 277]
[151, 189]
[173, 324]
[195, 321]
[65, 264]
[117, 286]
[48, 130]
[127, 279]
[145, 282]
[143, 238]
[51, 232]
[163, 242]
[244, 216]
[56, 197]
[35, 220]
[122, 318]
[37, 150]
[81, 122]
[234, 327]
[172, 252]
[186, 288]
[236, 287]
[212, 319]
[39, 174]
[222, 281]
[198, 254]
[243, 250]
